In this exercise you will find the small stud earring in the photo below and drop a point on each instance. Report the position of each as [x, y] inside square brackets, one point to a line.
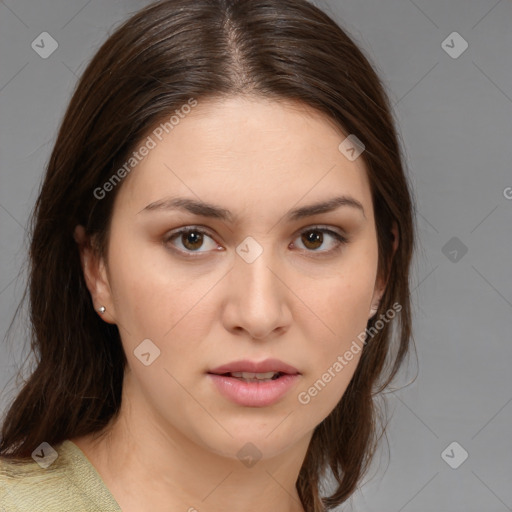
[102, 309]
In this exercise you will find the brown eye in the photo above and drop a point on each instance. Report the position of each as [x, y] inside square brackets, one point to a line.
[191, 239]
[313, 238]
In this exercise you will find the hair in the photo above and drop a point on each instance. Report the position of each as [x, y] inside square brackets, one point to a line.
[153, 63]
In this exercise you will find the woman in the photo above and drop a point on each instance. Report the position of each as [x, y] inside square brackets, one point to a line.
[219, 270]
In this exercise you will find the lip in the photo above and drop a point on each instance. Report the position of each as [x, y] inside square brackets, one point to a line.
[268, 365]
[254, 394]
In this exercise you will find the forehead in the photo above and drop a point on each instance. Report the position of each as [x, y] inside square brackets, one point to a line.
[246, 151]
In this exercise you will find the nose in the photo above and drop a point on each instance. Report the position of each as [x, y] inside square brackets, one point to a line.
[259, 301]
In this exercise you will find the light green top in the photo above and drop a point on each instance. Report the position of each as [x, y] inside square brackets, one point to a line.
[70, 483]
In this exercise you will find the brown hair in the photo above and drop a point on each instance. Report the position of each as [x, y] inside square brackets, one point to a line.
[167, 53]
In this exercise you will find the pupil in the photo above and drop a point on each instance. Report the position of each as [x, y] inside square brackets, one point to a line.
[196, 239]
[314, 236]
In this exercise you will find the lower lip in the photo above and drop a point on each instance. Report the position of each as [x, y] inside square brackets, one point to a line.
[254, 394]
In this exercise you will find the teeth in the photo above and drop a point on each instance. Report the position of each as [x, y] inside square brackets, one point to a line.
[254, 376]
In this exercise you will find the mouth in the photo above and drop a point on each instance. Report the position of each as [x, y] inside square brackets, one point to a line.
[254, 383]
[252, 377]
[269, 369]
[250, 389]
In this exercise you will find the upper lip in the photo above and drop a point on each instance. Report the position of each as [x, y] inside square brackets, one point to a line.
[268, 365]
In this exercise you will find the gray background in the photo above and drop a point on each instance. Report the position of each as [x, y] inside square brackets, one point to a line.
[455, 119]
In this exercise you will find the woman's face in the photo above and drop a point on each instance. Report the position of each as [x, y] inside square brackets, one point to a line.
[250, 281]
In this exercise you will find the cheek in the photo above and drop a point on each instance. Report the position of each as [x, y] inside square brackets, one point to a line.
[344, 310]
[155, 297]
[334, 360]
[348, 296]
[342, 304]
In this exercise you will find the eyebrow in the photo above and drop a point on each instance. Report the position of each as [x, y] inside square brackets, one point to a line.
[213, 211]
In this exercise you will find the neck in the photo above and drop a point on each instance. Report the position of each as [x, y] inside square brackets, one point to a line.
[148, 464]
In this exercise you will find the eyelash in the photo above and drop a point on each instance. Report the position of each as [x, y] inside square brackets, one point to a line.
[341, 240]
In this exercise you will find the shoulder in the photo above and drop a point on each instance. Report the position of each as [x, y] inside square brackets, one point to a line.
[58, 479]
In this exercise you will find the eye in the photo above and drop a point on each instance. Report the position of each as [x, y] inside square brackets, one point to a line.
[191, 239]
[312, 238]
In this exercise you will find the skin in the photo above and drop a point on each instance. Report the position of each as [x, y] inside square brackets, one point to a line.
[174, 443]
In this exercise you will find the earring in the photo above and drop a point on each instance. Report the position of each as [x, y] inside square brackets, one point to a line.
[102, 309]
[374, 308]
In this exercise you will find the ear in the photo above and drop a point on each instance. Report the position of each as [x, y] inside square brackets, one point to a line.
[95, 275]
[380, 285]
